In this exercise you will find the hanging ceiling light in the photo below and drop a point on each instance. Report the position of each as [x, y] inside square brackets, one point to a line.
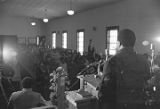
[70, 11]
[45, 20]
[33, 23]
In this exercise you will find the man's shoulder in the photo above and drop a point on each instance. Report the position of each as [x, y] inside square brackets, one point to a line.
[16, 93]
[122, 56]
[23, 92]
[141, 58]
[35, 93]
[114, 58]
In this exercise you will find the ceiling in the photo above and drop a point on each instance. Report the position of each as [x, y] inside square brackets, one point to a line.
[54, 8]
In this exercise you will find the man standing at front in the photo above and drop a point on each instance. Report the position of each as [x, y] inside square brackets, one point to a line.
[125, 76]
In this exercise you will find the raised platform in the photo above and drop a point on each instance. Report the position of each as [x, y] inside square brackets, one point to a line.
[90, 83]
[81, 100]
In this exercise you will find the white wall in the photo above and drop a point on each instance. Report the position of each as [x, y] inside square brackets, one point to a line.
[20, 26]
[142, 16]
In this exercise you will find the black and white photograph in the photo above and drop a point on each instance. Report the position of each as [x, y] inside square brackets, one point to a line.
[79, 54]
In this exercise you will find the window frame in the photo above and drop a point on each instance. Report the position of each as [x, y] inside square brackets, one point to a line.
[63, 39]
[37, 40]
[77, 41]
[55, 39]
[108, 43]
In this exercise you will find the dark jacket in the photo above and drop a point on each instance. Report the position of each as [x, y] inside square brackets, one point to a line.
[25, 99]
[6, 89]
[125, 76]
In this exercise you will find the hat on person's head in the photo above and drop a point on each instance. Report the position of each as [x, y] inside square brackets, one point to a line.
[127, 38]
[27, 82]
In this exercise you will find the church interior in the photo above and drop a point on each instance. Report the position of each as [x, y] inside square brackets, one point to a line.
[63, 44]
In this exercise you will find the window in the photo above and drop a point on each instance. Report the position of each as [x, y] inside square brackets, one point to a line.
[54, 40]
[80, 41]
[112, 36]
[64, 40]
[37, 40]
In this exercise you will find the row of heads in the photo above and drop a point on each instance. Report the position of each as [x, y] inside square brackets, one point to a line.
[28, 82]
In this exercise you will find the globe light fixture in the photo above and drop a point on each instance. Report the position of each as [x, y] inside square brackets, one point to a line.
[145, 43]
[45, 20]
[70, 11]
[33, 23]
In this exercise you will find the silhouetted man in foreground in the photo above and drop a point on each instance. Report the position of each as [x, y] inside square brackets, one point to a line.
[125, 76]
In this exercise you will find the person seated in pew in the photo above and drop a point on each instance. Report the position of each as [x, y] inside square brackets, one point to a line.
[26, 98]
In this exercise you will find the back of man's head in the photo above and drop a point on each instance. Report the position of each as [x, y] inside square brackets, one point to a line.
[127, 38]
[27, 82]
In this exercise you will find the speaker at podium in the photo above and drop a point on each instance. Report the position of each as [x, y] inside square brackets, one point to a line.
[86, 96]
[90, 83]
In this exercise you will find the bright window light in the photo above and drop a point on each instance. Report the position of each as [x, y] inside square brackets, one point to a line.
[113, 32]
[112, 36]
[113, 46]
[54, 40]
[70, 12]
[158, 39]
[112, 52]
[37, 40]
[80, 42]
[45, 20]
[8, 53]
[64, 40]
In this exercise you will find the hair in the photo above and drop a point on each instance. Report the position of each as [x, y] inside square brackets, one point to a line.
[27, 82]
[127, 38]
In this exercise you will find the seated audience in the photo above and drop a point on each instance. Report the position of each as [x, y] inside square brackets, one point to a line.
[26, 98]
